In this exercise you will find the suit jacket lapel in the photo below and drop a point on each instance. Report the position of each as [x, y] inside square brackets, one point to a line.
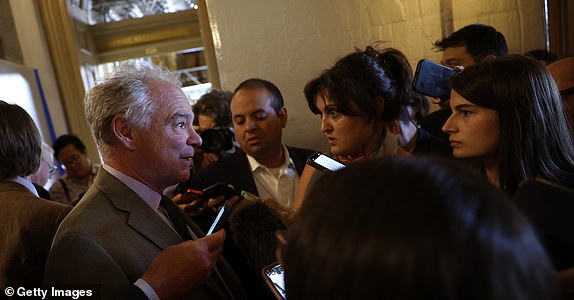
[299, 158]
[144, 220]
[245, 179]
[140, 216]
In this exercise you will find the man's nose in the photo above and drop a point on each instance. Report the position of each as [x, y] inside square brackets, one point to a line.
[194, 139]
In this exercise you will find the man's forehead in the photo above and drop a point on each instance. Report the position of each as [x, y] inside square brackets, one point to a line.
[458, 53]
[260, 98]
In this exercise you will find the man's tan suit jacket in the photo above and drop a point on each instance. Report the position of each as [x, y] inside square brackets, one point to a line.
[110, 238]
[27, 226]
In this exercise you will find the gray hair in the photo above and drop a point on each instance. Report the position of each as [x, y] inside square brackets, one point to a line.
[47, 153]
[124, 92]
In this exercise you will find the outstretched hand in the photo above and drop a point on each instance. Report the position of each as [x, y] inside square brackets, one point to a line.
[181, 268]
[195, 205]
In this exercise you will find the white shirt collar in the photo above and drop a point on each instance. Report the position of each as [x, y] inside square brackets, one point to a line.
[151, 197]
[254, 164]
[26, 183]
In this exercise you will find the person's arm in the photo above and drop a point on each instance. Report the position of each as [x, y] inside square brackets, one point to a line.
[302, 187]
[173, 273]
[78, 259]
[179, 269]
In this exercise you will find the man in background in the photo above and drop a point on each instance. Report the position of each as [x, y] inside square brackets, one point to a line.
[264, 166]
[45, 171]
[467, 46]
[213, 120]
[71, 152]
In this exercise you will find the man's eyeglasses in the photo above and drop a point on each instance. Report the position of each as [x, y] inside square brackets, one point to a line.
[72, 160]
[53, 170]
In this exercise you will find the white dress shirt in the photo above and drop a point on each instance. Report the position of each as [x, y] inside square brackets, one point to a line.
[276, 183]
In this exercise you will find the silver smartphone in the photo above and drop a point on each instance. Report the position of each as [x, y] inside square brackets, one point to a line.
[221, 217]
[273, 276]
[323, 162]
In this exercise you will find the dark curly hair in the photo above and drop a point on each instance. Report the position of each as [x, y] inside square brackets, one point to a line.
[358, 81]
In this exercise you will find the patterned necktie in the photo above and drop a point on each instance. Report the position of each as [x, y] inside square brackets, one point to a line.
[176, 217]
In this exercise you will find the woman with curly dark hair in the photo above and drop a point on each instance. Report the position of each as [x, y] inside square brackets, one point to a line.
[358, 100]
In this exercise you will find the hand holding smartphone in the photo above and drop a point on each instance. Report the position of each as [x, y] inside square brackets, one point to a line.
[220, 189]
[323, 162]
[273, 276]
[221, 217]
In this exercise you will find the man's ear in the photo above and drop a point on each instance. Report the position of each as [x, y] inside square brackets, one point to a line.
[489, 57]
[123, 131]
[283, 116]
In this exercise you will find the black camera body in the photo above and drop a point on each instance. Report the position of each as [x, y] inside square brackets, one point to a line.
[217, 139]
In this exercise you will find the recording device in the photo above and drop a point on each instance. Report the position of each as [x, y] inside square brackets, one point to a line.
[221, 217]
[220, 189]
[216, 139]
[323, 162]
[253, 226]
[431, 79]
[216, 190]
[273, 276]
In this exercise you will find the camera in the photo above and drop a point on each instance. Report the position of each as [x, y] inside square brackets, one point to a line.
[217, 139]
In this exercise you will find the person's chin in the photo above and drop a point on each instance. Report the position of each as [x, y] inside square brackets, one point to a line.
[253, 149]
[183, 176]
[253, 144]
[336, 151]
[459, 153]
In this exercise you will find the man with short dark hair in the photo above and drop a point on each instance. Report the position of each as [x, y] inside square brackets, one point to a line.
[467, 46]
[71, 152]
[264, 166]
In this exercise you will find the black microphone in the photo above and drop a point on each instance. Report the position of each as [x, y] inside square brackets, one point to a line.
[253, 228]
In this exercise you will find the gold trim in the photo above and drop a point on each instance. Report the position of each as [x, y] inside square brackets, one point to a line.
[64, 52]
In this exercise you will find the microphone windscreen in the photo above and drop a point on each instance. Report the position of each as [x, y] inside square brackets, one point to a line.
[253, 228]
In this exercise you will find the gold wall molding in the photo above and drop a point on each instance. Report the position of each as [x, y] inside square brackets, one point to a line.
[64, 52]
[149, 30]
[207, 37]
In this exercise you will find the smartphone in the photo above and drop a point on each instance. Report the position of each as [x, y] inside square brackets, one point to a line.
[249, 196]
[323, 162]
[431, 79]
[273, 275]
[221, 217]
[220, 189]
